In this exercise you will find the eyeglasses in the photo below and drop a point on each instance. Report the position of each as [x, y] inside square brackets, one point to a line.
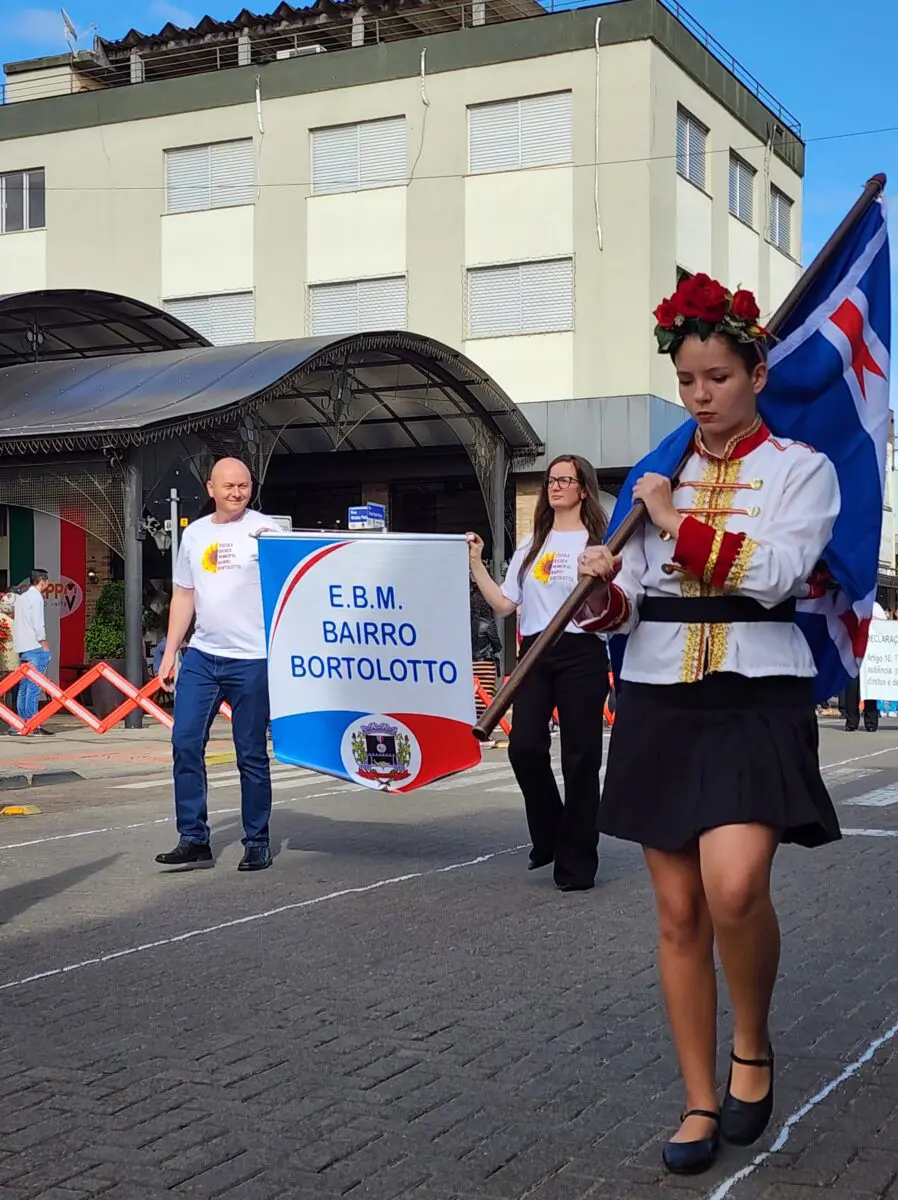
[560, 481]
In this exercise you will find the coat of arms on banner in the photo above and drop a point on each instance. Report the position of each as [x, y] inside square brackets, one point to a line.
[381, 752]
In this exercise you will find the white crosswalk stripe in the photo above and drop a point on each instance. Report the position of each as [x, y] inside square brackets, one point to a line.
[882, 797]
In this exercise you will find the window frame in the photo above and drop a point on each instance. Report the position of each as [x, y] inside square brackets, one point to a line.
[741, 165]
[312, 287]
[207, 146]
[484, 268]
[209, 297]
[25, 174]
[401, 180]
[520, 102]
[692, 121]
[780, 196]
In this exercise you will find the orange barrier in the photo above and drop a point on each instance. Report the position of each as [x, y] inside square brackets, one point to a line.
[134, 698]
[483, 695]
[608, 712]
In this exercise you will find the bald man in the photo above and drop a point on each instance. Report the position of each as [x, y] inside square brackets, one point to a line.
[217, 583]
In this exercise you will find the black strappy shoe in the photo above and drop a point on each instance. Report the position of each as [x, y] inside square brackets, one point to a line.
[743, 1121]
[691, 1158]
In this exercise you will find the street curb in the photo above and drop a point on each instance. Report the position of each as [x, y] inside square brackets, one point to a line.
[37, 779]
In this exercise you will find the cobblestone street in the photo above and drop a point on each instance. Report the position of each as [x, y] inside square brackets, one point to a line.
[399, 1010]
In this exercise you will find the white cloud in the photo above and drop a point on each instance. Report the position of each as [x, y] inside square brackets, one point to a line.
[164, 11]
[37, 27]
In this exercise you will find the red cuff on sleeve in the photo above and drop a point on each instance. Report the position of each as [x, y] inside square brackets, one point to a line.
[695, 542]
[707, 553]
[616, 613]
[730, 545]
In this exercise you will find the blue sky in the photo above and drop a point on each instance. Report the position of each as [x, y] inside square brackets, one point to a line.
[837, 77]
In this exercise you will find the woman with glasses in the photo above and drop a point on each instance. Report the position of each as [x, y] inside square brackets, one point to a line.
[572, 677]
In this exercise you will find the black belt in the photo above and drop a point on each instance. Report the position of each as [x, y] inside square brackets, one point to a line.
[713, 610]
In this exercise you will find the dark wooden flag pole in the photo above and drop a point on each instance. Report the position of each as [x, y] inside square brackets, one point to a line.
[631, 522]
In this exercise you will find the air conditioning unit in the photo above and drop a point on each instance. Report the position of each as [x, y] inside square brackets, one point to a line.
[300, 51]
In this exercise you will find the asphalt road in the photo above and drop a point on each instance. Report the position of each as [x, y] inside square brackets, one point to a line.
[400, 1010]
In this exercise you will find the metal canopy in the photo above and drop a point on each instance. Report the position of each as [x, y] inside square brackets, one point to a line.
[77, 323]
[372, 391]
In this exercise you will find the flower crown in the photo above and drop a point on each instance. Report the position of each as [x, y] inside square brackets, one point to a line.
[702, 306]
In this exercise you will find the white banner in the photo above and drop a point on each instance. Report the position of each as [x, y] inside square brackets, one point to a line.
[879, 670]
[369, 655]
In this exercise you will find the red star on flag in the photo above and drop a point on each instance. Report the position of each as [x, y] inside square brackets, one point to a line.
[850, 320]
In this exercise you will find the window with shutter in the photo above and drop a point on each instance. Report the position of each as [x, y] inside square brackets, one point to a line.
[780, 220]
[225, 320]
[532, 131]
[356, 306]
[692, 139]
[351, 158]
[218, 175]
[742, 189]
[521, 298]
[22, 204]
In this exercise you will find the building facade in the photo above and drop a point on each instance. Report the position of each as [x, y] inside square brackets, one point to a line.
[520, 184]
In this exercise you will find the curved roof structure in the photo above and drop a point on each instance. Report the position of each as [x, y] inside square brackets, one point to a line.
[77, 323]
[371, 391]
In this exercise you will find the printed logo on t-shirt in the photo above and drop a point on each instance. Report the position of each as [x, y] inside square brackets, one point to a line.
[555, 566]
[220, 556]
[542, 570]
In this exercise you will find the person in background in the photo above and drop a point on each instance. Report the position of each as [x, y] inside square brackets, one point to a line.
[216, 583]
[572, 677]
[9, 659]
[850, 700]
[486, 646]
[30, 643]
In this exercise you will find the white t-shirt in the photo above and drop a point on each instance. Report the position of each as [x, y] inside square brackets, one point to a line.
[29, 628]
[550, 579]
[220, 562]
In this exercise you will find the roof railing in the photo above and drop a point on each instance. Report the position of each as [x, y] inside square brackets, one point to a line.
[225, 48]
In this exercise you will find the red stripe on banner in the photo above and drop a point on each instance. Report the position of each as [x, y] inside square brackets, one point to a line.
[72, 615]
[307, 566]
[447, 747]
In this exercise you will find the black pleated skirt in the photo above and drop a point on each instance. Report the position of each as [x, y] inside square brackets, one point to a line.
[688, 757]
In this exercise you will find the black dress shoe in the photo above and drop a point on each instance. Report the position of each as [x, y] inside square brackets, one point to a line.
[255, 858]
[691, 1158]
[585, 886]
[45, 731]
[539, 860]
[188, 854]
[743, 1121]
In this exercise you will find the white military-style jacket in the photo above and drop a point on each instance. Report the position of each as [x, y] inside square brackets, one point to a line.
[758, 519]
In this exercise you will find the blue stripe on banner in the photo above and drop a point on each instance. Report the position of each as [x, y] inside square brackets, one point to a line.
[321, 730]
[280, 561]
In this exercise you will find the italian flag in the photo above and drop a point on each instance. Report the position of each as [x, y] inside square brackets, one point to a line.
[38, 539]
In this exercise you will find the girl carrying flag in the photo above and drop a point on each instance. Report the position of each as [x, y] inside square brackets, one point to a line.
[714, 756]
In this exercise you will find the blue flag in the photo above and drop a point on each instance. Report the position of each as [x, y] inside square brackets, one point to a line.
[828, 387]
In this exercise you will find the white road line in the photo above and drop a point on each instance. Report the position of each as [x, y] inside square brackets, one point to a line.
[858, 758]
[887, 833]
[67, 837]
[723, 1189]
[882, 797]
[841, 776]
[218, 779]
[113, 955]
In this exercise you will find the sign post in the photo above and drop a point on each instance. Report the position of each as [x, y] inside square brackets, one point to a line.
[369, 655]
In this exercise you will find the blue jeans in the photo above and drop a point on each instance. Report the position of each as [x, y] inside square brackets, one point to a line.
[29, 693]
[204, 680]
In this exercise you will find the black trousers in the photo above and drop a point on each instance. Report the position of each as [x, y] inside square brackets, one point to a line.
[851, 700]
[572, 677]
